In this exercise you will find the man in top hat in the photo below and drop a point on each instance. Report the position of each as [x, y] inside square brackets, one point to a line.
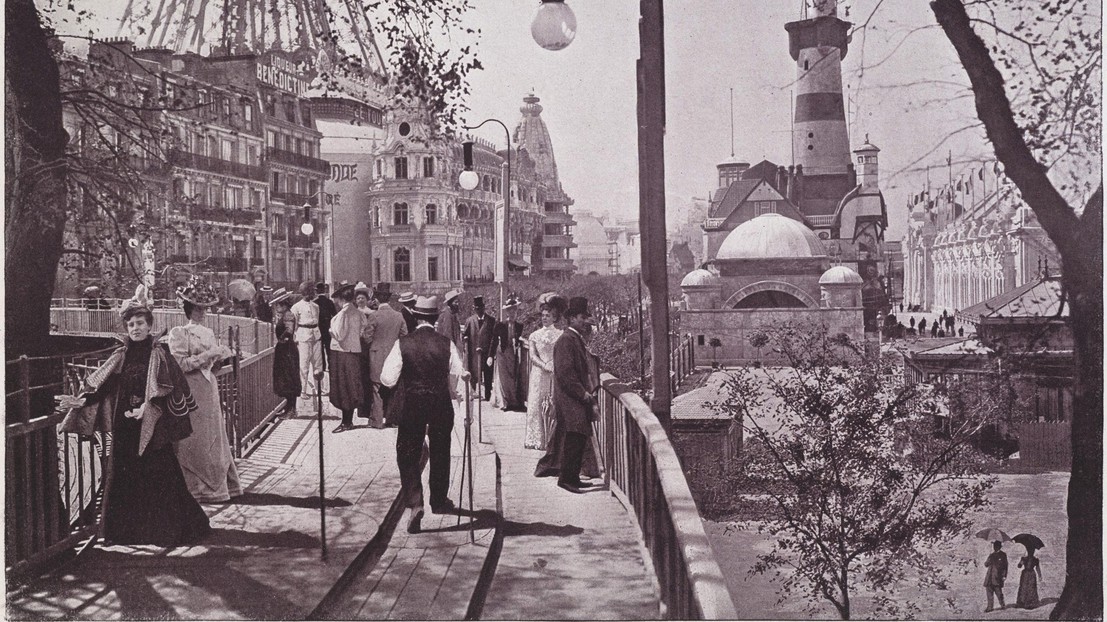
[505, 334]
[382, 328]
[448, 323]
[327, 311]
[574, 395]
[478, 335]
[308, 338]
[425, 360]
[407, 299]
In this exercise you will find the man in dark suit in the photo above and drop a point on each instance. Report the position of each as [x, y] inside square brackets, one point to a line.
[407, 299]
[448, 323]
[574, 394]
[478, 334]
[995, 575]
[327, 311]
[425, 361]
[383, 327]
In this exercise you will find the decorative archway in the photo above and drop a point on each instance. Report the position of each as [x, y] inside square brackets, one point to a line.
[789, 290]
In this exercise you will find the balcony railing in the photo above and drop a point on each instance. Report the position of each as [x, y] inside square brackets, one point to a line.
[407, 228]
[224, 214]
[294, 198]
[298, 159]
[299, 240]
[226, 264]
[554, 263]
[558, 241]
[822, 220]
[178, 157]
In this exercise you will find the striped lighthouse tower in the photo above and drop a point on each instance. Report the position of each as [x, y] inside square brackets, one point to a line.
[818, 44]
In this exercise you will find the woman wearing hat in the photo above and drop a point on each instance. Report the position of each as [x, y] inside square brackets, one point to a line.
[346, 329]
[505, 374]
[205, 456]
[286, 358]
[141, 396]
[540, 397]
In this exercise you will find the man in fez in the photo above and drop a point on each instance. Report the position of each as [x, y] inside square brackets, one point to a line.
[425, 361]
[574, 394]
[478, 329]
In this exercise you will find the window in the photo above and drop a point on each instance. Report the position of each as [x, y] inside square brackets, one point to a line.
[764, 207]
[431, 214]
[257, 254]
[270, 139]
[271, 106]
[230, 154]
[290, 111]
[248, 113]
[432, 268]
[428, 166]
[377, 268]
[401, 265]
[278, 224]
[399, 214]
[401, 168]
[276, 186]
[307, 115]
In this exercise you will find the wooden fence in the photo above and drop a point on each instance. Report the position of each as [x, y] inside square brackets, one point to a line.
[1046, 444]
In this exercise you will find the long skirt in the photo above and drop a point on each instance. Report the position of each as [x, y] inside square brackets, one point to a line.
[286, 372]
[1028, 590]
[205, 455]
[505, 382]
[549, 465]
[539, 425]
[146, 500]
[346, 391]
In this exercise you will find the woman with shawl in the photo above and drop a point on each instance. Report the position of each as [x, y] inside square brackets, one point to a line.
[140, 396]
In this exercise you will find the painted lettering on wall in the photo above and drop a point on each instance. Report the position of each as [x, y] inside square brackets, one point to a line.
[283, 74]
[344, 172]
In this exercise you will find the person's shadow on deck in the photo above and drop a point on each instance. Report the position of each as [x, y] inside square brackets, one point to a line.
[486, 519]
[153, 583]
[268, 498]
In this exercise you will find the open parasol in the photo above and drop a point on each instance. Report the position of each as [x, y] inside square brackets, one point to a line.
[241, 290]
[993, 534]
[1029, 541]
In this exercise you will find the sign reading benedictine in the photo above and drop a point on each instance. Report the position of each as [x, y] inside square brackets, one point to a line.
[281, 73]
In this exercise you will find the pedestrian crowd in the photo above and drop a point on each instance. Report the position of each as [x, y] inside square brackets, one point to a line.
[945, 325]
[404, 367]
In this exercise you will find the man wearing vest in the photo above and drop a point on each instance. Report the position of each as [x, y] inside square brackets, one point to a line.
[430, 366]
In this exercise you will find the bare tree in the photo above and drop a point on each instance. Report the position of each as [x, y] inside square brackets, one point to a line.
[1061, 90]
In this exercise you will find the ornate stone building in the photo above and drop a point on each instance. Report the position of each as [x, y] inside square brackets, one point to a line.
[970, 241]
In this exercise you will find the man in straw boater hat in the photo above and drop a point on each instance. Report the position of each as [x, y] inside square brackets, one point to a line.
[448, 323]
[478, 331]
[309, 344]
[407, 300]
[425, 361]
[382, 328]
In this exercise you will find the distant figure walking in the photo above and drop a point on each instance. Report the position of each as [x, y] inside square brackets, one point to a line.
[922, 327]
[912, 323]
[996, 574]
[1028, 581]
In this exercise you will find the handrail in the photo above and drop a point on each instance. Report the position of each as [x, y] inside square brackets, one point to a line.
[639, 461]
[257, 337]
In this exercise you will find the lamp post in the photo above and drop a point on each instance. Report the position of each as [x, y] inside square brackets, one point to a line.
[468, 180]
[553, 28]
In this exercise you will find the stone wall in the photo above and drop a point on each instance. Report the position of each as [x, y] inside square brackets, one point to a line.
[734, 326]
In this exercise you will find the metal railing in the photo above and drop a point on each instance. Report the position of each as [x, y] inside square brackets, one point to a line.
[69, 316]
[53, 479]
[682, 362]
[641, 465]
[297, 159]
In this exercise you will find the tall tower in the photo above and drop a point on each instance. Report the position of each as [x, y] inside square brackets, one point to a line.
[818, 44]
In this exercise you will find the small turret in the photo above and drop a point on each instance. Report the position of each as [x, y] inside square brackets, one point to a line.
[868, 169]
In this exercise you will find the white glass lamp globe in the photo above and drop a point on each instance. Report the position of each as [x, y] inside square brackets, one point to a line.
[307, 229]
[554, 26]
[468, 180]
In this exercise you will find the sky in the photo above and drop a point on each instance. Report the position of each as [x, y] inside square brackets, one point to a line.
[905, 88]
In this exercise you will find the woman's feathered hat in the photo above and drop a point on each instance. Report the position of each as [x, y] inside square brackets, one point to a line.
[141, 300]
[198, 293]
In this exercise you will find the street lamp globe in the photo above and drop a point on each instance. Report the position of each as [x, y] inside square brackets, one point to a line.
[468, 180]
[554, 26]
[307, 228]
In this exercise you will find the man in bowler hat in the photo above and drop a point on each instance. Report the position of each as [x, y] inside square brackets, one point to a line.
[574, 395]
[425, 361]
[478, 330]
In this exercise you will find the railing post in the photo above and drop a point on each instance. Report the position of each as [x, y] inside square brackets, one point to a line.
[25, 388]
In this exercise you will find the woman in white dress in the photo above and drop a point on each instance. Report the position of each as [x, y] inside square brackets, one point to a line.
[205, 456]
[540, 414]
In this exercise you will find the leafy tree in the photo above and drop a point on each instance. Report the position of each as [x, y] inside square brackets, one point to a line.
[1037, 80]
[861, 478]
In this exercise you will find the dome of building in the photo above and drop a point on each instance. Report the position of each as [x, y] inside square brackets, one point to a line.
[771, 236]
[698, 278]
[840, 275]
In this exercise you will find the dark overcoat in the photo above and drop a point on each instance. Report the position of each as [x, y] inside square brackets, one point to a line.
[480, 336]
[573, 384]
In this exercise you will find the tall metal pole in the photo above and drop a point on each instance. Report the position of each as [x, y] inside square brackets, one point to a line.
[651, 196]
[506, 188]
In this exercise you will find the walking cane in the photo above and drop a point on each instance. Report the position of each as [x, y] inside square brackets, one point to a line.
[480, 387]
[322, 489]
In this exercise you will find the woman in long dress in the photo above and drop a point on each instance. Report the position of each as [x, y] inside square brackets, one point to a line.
[286, 358]
[1028, 581]
[141, 396]
[505, 365]
[539, 423]
[205, 456]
